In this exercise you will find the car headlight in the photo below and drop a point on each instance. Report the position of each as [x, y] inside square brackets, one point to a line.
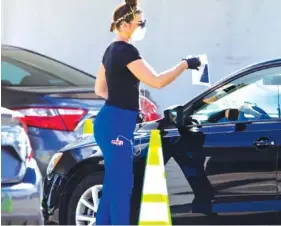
[54, 161]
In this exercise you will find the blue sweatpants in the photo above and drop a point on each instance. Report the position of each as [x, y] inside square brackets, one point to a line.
[111, 122]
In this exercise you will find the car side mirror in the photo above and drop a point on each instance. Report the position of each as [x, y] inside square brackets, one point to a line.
[174, 116]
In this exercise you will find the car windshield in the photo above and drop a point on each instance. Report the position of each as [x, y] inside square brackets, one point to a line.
[24, 68]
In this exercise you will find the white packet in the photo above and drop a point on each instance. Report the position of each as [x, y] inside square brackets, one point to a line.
[201, 77]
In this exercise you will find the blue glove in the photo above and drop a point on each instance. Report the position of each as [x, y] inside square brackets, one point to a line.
[193, 63]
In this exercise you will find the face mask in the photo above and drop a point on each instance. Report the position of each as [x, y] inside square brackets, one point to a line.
[138, 34]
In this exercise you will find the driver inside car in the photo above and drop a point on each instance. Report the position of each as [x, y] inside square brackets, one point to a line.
[247, 109]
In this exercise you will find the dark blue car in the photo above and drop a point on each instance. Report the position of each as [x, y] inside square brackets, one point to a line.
[55, 98]
[221, 151]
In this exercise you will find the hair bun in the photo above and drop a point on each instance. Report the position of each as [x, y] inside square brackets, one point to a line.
[132, 3]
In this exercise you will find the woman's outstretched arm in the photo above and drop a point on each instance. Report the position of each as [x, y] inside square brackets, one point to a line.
[146, 74]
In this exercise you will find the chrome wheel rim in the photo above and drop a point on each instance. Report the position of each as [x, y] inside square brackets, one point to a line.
[87, 206]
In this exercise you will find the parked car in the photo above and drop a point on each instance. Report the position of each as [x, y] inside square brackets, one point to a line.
[21, 180]
[55, 98]
[221, 152]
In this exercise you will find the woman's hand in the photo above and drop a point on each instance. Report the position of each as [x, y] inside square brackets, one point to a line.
[193, 63]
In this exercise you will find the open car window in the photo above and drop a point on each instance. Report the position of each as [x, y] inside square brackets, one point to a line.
[255, 96]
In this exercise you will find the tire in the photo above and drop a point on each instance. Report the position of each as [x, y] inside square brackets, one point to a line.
[86, 183]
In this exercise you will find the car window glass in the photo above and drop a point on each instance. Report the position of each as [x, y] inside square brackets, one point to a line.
[255, 96]
[23, 68]
[11, 73]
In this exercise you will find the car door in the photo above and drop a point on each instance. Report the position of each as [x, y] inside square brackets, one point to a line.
[224, 169]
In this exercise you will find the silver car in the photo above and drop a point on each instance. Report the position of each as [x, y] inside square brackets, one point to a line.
[21, 181]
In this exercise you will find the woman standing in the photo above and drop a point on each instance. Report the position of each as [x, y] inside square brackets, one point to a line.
[118, 81]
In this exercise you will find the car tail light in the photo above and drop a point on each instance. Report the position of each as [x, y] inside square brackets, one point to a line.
[152, 117]
[52, 118]
[149, 109]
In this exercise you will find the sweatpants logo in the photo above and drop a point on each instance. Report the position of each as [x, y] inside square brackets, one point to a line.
[117, 142]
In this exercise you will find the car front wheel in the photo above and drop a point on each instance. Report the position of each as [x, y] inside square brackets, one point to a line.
[84, 201]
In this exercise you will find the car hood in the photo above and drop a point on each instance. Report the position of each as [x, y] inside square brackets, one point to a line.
[143, 133]
[80, 142]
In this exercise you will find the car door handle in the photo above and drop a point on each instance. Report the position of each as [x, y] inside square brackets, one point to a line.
[263, 143]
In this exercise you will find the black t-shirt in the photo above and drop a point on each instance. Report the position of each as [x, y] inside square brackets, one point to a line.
[123, 86]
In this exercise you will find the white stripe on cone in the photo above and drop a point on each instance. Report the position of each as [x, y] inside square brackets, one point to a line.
[155, 182]
[154, 212]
